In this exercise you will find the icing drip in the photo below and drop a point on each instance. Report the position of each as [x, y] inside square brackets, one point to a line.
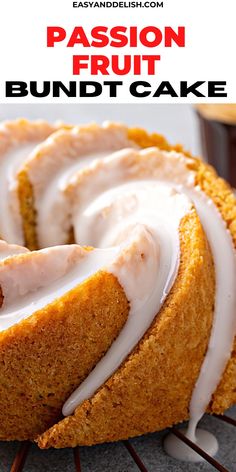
[179, 450]
[224, 322]
[93, 213]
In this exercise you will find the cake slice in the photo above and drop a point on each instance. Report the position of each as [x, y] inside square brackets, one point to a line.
[53, 330]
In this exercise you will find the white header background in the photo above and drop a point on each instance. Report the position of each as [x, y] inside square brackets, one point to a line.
[209, 53]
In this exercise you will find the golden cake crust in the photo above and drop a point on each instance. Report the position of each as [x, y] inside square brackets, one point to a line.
[221, 194]
[153, 386]
[21, 131]
[65, 142]
[171, 352]
[123, 408]
[43, 357]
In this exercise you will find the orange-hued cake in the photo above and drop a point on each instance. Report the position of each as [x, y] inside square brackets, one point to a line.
[131, 328]
[65, 153]
[18, 140]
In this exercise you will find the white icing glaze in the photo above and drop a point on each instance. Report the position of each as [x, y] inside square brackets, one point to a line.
[94, 212]
[7, 250]
[53, 212]
[57, 161]
[10, 221]
[130, 203]
[146, 268]
[224, 322]
[37, 279]
[176, 448]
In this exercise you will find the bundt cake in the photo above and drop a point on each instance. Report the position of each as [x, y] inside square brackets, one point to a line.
[117, 285]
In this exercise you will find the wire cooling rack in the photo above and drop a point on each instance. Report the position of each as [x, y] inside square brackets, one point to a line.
[143, 454]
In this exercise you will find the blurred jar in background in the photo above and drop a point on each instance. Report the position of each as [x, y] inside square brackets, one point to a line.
[218, 137]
